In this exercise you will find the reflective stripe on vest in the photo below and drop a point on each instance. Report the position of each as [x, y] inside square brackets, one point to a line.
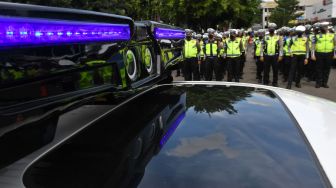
[190, 48]
[211, 49]
[271, 44]
[233, 48]
[324, 43]
[299, 46]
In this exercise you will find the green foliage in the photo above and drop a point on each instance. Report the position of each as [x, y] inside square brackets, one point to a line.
[195, 14]
[284, 12]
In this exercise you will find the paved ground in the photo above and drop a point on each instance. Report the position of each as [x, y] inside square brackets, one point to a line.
[307, 87]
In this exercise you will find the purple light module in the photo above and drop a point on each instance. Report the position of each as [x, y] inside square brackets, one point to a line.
[15, 31]
[164, 33]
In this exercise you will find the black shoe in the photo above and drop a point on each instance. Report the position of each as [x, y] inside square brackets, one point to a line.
[259, 81]
[325, 85]
[275, 84]
[317, 86]
[289, 87]
[298, 85]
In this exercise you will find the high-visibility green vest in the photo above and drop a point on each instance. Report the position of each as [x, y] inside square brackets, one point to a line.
[211, 49]
[285, 47]
[271, 44]
[299, 46]
[324, 43]
[190, 48]
[257, 47]
[233, 48]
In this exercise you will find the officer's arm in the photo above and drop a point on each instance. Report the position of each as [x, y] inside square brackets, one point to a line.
[289, 46]
[262, 47]
[334, 45]
[313, 46]
[241, 46]
[198, 45]
[280, 44]
[307, 48]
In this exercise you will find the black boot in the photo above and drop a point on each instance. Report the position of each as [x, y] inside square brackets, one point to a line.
[325, 85]
[317, 85]
[298, 85]
[289, 86]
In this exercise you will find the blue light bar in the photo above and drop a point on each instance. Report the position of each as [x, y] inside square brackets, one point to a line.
[16, 31]
[171, 129]
[164, 33]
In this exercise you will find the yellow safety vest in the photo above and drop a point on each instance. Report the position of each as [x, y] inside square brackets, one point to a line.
[258, 47]
[211, 49]
[285, 47]
[190, 48]
[299, 46]
[233, 48]
[324, 43]
[271, 44]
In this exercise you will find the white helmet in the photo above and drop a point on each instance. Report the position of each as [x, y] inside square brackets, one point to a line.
[300, 29]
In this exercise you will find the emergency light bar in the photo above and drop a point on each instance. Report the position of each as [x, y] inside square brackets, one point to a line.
[16, 31]
[164, 33]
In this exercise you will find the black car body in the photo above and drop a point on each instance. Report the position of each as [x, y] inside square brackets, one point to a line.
[176, 135]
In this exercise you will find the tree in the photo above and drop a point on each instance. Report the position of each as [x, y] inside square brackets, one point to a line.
[194, 14]
[284, 12]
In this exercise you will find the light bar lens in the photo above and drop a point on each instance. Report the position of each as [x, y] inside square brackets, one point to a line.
[31, 31]
[164, 33]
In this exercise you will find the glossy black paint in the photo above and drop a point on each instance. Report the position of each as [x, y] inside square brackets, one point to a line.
[185, 136]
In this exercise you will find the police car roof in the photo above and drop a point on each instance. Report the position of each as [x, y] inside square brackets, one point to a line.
[158, 24]
[36, 11]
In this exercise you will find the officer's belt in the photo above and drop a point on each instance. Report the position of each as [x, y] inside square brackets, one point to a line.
[271, 54]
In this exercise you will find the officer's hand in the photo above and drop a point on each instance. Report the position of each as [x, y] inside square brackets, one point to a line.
[334, 57]
[313, 58]
[199, 62]
[280, 59]
[262, 58]
[306, 61]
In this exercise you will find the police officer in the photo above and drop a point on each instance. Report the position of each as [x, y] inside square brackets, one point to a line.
[299, 48]
[233, 50]
[258, 42]
[199, 38]
[243, 38]
[287, 55]
[324, 52]
[272, 55]
[190, 51]
[211, 50]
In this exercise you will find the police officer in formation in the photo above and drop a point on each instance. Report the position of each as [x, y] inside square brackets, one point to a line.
[271, 55]
[301, 51]
[211, 50]
[258, 43]
[233, 49]
[191, 52]
[323, 52]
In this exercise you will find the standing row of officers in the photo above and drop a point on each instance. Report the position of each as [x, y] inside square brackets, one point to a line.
[288, 50]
